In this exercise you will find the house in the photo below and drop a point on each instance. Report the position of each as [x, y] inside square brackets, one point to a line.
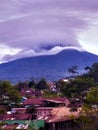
[64, 79]
[37, 102]
[46, 102]
[18, 110]
[44, 106]
[16, 116]
[57, 101]
[62, 118]
[27, 92]
[42, 112]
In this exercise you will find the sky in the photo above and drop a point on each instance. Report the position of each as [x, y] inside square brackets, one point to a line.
[39, 27]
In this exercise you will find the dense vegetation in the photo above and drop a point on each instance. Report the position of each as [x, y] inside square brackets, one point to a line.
[82, 87]
[76, 86]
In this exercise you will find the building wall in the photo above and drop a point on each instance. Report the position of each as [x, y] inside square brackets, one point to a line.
[43, 112]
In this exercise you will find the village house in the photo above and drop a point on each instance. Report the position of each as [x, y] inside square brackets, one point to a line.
[55, 112]
[46, 102]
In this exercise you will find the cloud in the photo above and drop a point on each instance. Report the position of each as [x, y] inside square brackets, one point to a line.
[39, 25]
[5, 50]
[30, 52]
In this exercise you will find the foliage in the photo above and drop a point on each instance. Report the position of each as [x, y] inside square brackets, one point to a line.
[30, 110]
[42, 84]
[88, 118]
[76, 86]
[6, 89]
[92, 96]
[48, 94]
[89, 114]
[2, 123]
[21, 85]
[14, 95]
[32, 84]
[2, 111]
[73, 70]
[93, 71]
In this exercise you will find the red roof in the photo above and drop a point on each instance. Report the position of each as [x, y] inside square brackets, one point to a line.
[39, 101]
[33, 101]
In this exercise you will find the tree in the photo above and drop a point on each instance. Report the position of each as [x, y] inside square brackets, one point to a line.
[7, 89]
[21, 85]
[73, 70]
[93, 71]
[32, 84]
[89, 115]
[48, 94]
[76, 86]
[87, 68]
[31, 110]
[92, 96]
[88, 118]
[2, 111]
[14, 95]
[42, 84]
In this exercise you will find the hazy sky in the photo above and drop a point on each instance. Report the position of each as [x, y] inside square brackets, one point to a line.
[36, 27]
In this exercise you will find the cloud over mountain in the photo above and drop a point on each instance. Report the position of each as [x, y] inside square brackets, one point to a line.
[44, 24]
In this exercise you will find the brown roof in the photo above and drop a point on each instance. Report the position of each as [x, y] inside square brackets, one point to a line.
[39, 101]
[63, 113]
[58, 100]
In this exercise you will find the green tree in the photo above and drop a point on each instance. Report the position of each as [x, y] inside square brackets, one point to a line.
[48, 94]
[93, 71]
[2, 111]
[89, 115]
[42, 84]
[73, 70]
[14, 95]
[21, 85]
[76, 86]
[7, 89]
[32, 83]
[31, 110]
[88, 119]
[92, 96]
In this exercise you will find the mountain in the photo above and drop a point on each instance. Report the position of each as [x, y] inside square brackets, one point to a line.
[52, 67]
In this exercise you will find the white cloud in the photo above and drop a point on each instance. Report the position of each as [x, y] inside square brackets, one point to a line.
[34, 25]
[5, 50]
[30, 52]
[89, 40]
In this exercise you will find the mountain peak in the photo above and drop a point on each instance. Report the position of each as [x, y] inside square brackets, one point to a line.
[52, 67]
